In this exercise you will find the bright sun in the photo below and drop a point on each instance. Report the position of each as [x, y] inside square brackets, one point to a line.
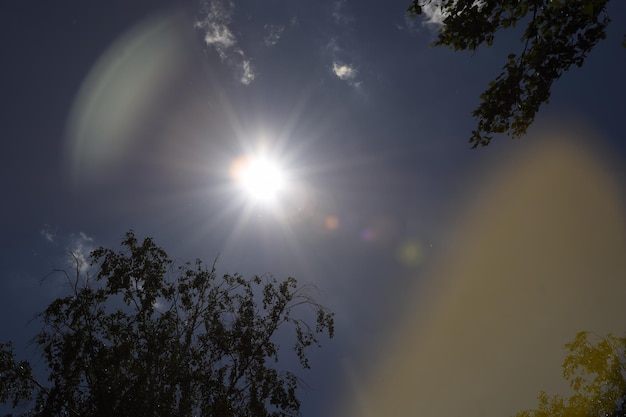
[261, 178]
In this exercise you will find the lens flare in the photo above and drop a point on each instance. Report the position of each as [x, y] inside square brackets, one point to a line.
[261, 178]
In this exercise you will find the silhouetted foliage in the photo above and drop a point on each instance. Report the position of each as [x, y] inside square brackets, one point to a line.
[595, 369]
[142, 338]
[557, 35]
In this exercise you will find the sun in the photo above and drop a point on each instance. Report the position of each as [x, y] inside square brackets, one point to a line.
[261, 178]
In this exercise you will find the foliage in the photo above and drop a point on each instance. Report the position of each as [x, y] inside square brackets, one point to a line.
[16, 383]
[596, 372]
[132, 341]
[557, 35]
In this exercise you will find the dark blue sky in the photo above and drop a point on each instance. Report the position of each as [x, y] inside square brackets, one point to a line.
[119, 115]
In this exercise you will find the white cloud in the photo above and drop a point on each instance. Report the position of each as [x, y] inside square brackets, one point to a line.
[344, 72]
[273, 34]
[347, 73]
[434, 15]
[81, 247]
[247, 75]
[339, 55]
[218, 34]
[215, 25]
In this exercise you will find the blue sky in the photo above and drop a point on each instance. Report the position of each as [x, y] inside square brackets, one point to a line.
[120, 115]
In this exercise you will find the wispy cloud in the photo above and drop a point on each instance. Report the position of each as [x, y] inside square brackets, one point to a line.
[343, 71]
[272, 34]
[338, 15]
[247, 75]
[333, 46]
[341, 58]
[48, 233]
[81, 246]
[216, 25]
[434, 15]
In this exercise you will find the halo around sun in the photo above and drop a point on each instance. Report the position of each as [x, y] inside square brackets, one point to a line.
[260, 178]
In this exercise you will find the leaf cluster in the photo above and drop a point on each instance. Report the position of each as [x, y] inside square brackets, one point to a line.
[133, 341]
[15, 377]
[596, 371]
[558, 35]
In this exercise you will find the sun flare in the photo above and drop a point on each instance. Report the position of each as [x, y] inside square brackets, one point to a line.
[261, 178]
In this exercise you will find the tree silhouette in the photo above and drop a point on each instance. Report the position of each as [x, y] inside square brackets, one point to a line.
[142, 338]
[595, 369]
[558, 34]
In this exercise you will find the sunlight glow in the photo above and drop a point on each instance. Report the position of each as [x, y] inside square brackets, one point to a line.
[261, 178]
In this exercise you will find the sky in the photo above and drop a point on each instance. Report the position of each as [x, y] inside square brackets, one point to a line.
[455, 275]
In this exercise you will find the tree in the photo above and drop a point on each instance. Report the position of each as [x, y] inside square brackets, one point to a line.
[596, 371]
[558, 34]
[139, 337]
